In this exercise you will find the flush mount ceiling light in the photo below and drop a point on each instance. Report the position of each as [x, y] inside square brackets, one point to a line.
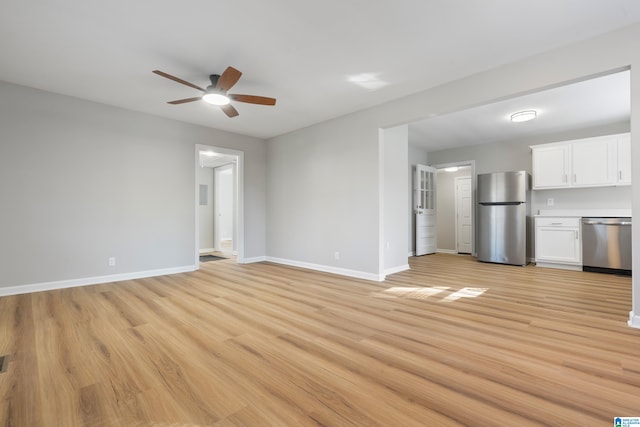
[216, 98]
[523, 116]
[451, 169]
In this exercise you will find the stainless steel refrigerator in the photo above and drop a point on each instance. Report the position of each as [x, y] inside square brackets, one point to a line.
[502, 217]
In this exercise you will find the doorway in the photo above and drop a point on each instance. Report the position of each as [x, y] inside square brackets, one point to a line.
[455, 212]
[463, 214]
[219, 226]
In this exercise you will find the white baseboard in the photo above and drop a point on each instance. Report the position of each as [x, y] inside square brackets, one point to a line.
[634, 320]
[447, 251]
[397, 269]
[412, 253]
[206, 250]
[96, 280]
[254, 259]
[328, 269]
[559, 266]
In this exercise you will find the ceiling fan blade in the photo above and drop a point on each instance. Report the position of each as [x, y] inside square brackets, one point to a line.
[176, 79]
[253, 99]
[229, 78]
[229, 110]
[184, 101]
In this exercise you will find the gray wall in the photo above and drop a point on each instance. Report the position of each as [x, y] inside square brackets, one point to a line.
[81, 182]
[324, 196]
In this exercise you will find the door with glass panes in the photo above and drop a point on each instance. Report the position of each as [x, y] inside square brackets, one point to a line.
[424, 207]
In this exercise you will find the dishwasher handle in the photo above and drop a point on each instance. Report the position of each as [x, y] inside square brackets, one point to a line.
[606, 223]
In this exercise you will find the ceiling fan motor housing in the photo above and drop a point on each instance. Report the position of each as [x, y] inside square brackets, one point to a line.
[214, 79]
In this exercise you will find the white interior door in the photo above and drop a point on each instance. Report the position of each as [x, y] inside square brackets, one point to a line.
[464, 207]
[424, 207]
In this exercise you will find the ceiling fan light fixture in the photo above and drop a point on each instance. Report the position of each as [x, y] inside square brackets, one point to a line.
[216, 98]
[523, 116]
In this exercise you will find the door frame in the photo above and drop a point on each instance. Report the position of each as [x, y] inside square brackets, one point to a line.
[238, 197]
[474, 186]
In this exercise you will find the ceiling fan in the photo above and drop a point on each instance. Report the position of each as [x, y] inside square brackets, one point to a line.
[216, 92]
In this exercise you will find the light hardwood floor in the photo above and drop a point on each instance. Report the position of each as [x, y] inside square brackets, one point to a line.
[451, 342]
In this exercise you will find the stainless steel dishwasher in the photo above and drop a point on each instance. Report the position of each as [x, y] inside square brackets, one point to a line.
[606, 245]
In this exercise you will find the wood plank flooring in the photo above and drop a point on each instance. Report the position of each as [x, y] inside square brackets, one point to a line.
[451, 342]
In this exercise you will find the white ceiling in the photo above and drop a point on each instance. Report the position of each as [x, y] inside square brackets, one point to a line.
[311, 56]
[599, 101]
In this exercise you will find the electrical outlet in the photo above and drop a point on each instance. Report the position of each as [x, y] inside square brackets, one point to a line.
[112, 261]
[336, 255]
[550, 201]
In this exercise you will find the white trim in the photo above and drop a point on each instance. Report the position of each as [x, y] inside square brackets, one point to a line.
[204, 251]
[634, 320]
[381, 236]
[328, 269]
[96, 280]
[412, 253]
[559, 266]
[254, 259]
[447, 251]
[397, 269]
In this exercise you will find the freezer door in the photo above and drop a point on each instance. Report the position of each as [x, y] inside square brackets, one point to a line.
[502, 187]
[502, 234]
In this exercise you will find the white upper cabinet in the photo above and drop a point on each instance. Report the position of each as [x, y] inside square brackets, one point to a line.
[590, 162]
[624, 160]
[594, 162]
[551, 166]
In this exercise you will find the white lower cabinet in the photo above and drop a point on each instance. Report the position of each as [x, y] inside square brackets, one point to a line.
[558, 242]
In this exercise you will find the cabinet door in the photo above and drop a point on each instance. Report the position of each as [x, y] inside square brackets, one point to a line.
[551, 166]
[558, 244]
[594, 162]
[624, 160]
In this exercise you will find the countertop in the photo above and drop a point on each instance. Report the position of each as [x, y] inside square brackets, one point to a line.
[579, 213]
